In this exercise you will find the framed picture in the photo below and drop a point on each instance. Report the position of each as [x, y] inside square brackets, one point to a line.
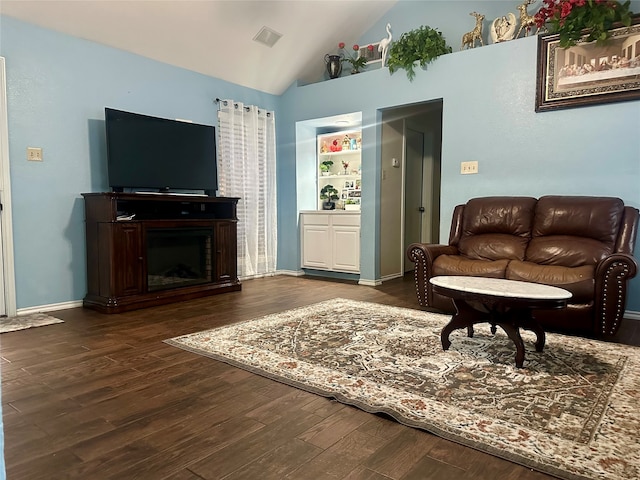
[348, 184]
[371, 56]
[587, 73]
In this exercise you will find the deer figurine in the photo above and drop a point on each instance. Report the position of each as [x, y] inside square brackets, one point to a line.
[527, 22]
[469, 38]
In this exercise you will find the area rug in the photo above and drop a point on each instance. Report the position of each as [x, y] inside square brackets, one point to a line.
[572, 411]
[12, 324]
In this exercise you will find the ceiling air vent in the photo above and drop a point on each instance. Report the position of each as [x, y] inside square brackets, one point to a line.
[267, 36]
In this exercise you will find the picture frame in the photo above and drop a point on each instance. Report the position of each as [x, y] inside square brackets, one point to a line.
[371, 56]
[587, 73]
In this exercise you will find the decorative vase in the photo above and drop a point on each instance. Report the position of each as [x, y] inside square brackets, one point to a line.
[334, 65]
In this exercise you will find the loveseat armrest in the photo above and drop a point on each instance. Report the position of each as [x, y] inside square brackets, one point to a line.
[423, 255]
[611, 277]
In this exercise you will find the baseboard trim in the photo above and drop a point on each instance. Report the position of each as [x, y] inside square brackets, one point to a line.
[49, 308]
[632, 315]
[292, 273]
[369, 283]
[393, 276]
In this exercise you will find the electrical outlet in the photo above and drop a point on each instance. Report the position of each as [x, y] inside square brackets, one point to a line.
[34, 154]
[467, 168]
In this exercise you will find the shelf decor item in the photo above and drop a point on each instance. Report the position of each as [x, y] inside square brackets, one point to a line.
[325, 167]
[421, 45]
[357, 62]
[334, 65]
[503, 28]
[329, 194]
[588, 73]
[582, 20]
[469, 39]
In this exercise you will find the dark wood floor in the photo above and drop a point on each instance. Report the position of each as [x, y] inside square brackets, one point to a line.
[102, 397]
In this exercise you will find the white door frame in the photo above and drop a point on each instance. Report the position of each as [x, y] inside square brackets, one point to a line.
[7, 273]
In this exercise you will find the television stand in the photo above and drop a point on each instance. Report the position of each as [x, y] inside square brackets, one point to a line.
[146, 250]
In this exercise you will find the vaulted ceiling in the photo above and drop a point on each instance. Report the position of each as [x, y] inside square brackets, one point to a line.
[215, 37]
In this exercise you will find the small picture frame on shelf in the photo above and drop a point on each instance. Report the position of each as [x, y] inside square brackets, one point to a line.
[344, 195]
[354, 193]
[348, 184]
[374, 55]
[358, 184]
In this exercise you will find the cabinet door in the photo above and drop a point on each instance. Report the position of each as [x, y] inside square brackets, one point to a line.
[346, 248]
[226, 268]
[127, 259]
[316, 247]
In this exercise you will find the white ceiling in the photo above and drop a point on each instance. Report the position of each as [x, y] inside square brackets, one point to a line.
[215, 37]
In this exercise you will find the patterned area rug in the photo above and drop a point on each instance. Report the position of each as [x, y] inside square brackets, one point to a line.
[12, 324]
[572, 411]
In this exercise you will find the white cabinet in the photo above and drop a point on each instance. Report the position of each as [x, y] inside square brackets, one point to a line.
[339, 169]
[330, 240]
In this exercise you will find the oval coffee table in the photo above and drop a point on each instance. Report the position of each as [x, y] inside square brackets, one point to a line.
[504, 303]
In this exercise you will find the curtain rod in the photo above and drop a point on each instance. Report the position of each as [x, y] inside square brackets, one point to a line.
[236, 106]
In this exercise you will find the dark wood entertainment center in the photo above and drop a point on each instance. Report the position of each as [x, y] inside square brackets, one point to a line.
[150, 249]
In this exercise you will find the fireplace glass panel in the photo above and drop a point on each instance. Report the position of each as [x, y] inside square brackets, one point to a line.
[178, 257]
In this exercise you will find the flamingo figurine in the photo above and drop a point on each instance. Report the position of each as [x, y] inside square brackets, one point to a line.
[383, 45]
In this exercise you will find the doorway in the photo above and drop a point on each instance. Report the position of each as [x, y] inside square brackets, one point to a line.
[410, 193]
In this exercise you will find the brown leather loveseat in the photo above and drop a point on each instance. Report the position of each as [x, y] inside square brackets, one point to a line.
[582, 244]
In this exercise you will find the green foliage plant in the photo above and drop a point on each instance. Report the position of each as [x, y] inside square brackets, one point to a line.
[582, 20]
[423, 45]
[329, 193]
[326, 165]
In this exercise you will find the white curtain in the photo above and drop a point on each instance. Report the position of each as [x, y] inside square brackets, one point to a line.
[247, 169]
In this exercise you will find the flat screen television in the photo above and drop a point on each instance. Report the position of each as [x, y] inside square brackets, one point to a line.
[150, 153]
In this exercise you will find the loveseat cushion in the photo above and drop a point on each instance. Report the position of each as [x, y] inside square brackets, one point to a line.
[578, 280]
[566, 250]
[459, 265]
[495, 228]
[573, 230]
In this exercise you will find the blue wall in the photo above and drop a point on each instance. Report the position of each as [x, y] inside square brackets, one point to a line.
[488, 115]
[58, 87]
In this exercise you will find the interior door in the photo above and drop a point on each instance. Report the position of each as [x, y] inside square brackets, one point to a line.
[414, 186]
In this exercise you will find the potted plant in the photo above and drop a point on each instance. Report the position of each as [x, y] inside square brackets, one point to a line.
[571, 19]
[351, 204]
[325, 167]
[329, 194]
[357, 62]
[421, 45]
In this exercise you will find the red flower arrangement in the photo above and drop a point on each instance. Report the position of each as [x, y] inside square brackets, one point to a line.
[356, 62]
[575, 19]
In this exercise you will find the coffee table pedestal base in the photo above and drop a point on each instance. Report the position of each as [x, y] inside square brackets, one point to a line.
[510, 319]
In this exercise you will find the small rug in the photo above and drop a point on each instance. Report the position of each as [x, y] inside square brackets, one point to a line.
[12, 324]
[572, 411]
